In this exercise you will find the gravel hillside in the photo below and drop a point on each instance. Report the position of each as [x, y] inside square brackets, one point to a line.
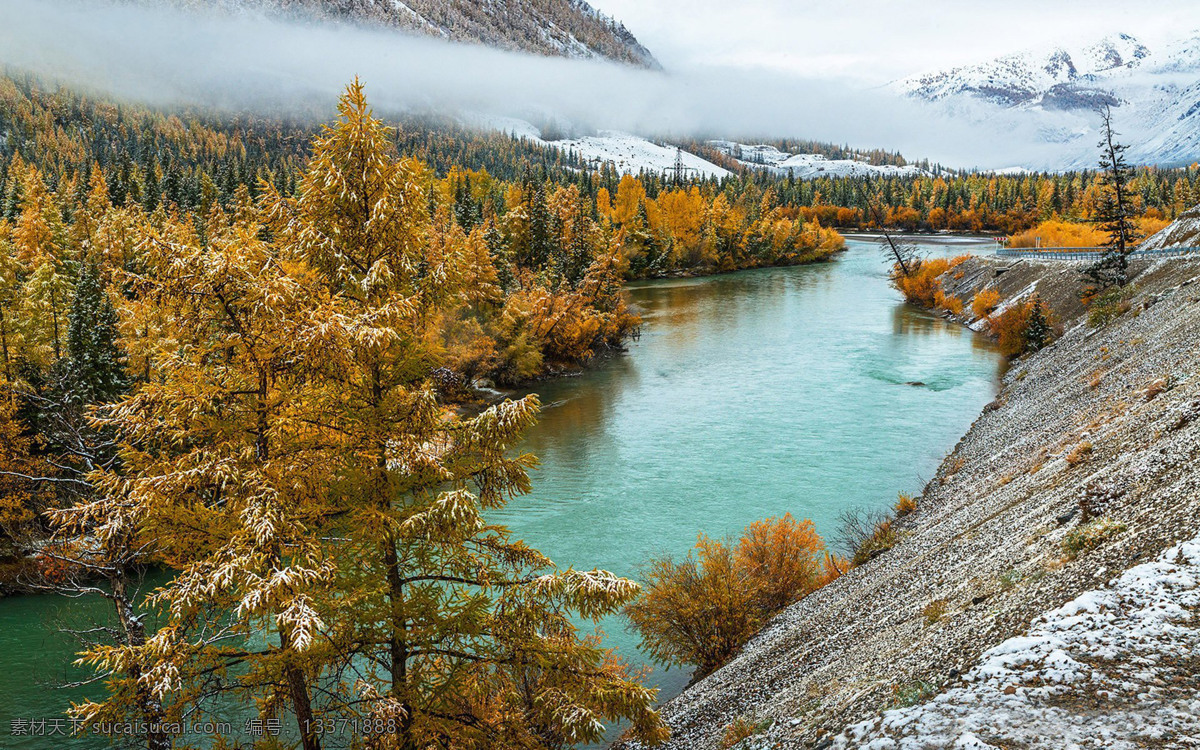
[968, 609]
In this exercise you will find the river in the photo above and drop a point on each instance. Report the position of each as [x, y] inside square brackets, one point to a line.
[748, 395]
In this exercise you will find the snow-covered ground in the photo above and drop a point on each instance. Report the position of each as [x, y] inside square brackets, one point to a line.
[1116, 668]
[806, 166]
[630, 154]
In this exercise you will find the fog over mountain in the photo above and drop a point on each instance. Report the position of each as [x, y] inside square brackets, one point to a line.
[164, 55]
[563, 28]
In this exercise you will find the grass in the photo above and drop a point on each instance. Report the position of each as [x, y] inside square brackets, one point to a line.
[905, 504]
[1110, 305]
[1009, 580]
[742, 729]
[883, 537]
[934, 611]
[1079, 453]
[1090, 536]
[913, 693]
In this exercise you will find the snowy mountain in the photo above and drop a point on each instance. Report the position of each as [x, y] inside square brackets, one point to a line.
[631, 154]
[1052, 95]
[627, 153]
[564, 28]
[807, 166]
[1058, 79]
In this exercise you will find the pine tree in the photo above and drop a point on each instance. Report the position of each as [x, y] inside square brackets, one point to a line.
[219, 472]
[11, 283]
[462, 636]
[291, 460]
[93, 372]
[1115, 214]
[1037, 331]
[47, 297]
[541, 239]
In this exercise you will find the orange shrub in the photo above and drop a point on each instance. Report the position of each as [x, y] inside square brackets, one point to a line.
[1022, 326]
[1079, 453]
[1059, 233]
[1148, 225]
[783, 558]
[985, 302]
[700, 610]
[942, 301]
[833, 568]
[1009, 328]
[697, 611]
[922, 286]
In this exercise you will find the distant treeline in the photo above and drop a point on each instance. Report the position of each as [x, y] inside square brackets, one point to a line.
[193, 159]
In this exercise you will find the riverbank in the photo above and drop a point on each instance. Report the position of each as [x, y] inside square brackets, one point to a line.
[1104, 423]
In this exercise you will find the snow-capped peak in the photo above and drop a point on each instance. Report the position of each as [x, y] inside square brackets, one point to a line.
[1052, 94]
[1026, 77]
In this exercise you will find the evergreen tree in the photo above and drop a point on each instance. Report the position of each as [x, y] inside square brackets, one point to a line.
[540, 238]
[1037, 327]
[1115, 214]
[93, 372]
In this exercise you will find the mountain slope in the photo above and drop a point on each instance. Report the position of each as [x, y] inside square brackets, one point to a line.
[1052, 95]
[807, 166]
[564, 28]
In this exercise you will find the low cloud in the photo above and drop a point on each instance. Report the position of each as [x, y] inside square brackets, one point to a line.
[246, 62]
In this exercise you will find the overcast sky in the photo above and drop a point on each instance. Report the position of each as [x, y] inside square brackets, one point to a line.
[876, 41]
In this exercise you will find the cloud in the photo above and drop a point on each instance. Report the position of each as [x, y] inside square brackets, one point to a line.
[876, 41]
[168, 57]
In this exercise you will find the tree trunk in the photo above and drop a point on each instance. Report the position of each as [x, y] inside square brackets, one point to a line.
[301, 702]
[54, 319]
[135, 637]
[4, 343]
[398, 639]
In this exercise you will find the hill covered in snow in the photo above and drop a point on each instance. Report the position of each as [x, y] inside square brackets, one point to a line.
[1052, 94]
[631, 154]
[565, 28]
[807, 166]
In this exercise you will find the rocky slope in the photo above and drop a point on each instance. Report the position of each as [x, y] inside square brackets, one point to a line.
[567, 28]
[931, 643]
[1184, 232]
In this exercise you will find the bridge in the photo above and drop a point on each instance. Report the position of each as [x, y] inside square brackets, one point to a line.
[1085, 254]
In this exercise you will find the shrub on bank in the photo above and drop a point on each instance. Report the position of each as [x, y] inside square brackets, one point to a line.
[865, 534]
[1110, 305]
[700, 610]
[1022, 327]
[741, 729]
[922, 285]
[985, 302]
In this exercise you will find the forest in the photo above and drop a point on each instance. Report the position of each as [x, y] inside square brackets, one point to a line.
[253, 365]
[246, 351]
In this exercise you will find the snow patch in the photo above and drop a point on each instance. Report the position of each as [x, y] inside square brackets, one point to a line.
[1115, 668]
[807, 166]
[627, 153]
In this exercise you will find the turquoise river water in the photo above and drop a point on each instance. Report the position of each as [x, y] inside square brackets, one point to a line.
[747, 396]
